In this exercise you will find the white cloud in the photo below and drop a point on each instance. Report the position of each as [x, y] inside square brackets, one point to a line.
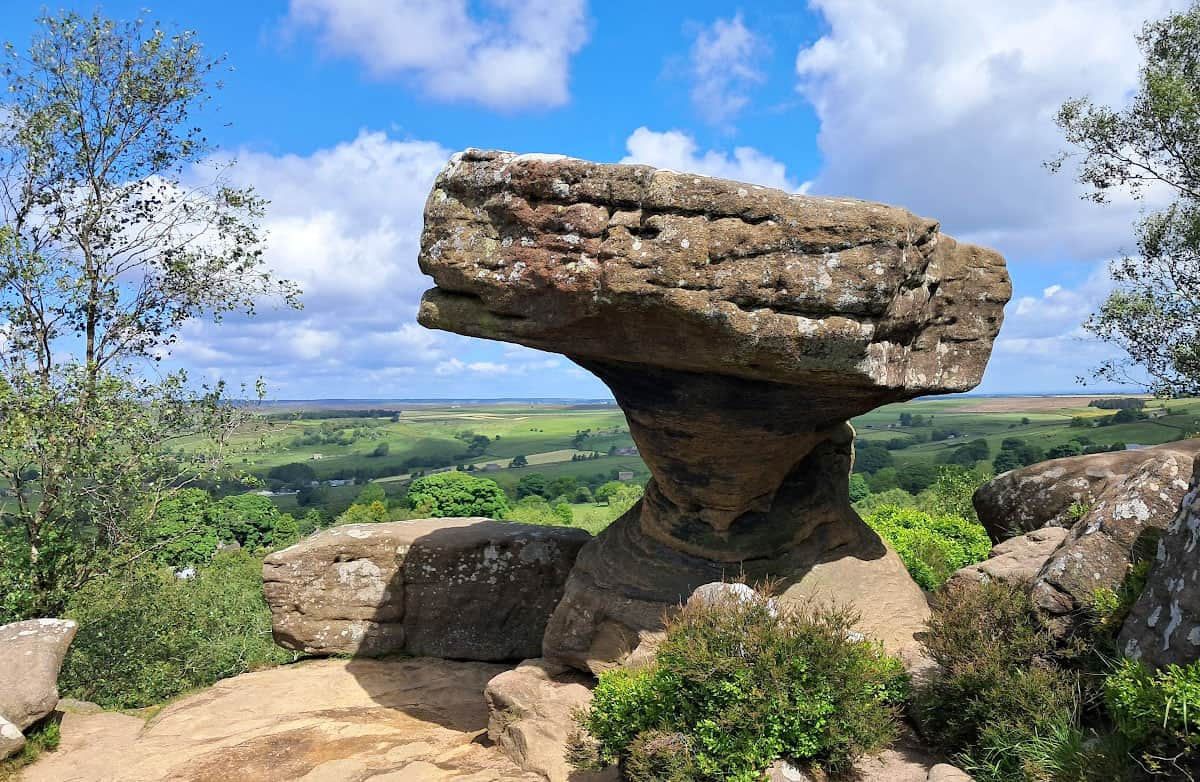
[344, 223]
[948, 109]
[678, 151]
[510, 54]
[723, 70]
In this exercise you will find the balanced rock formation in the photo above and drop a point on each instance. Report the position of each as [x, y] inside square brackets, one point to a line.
[738, 327]
[31, 656]
[1163, 626]
[462, 588]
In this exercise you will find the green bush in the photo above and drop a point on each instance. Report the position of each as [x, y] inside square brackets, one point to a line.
[457, 494]
[738, 684]
[1002, 705]
[932, 547]
[145, 635]
[1157, 712]
[533, 509]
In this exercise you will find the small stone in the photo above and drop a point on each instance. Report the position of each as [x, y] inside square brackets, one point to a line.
[944, 772]
[12, 740]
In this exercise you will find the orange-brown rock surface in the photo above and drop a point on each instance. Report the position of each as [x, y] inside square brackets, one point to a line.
[738, 327]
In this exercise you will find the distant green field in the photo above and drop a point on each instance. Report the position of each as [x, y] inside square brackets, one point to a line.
[544, 434]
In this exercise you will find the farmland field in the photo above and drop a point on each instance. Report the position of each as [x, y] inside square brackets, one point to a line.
[342, 447]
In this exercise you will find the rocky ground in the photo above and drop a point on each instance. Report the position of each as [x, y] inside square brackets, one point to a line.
[392, 720]
[417, 720]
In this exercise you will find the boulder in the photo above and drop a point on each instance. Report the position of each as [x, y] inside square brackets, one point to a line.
[944, 772]
[32, 653]
[532, 714]
[1017, 560]
[1163, 627]
[12, 740]
[462, 588]
[738, 327]
[1122, 523]
[1056, 492]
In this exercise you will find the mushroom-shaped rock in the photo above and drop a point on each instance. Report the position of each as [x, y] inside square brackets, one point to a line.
[738, 327]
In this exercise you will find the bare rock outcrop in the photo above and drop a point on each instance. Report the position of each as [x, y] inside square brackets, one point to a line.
[1054, 493]
[1113, 507]
[31, 657]
[462, 588]
[531, 715]
[1122, 524]
[1016, 560]
[399, 720]
[738, 327]
[1163, 626]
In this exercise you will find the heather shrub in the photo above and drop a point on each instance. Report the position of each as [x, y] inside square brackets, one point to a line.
[738, 684]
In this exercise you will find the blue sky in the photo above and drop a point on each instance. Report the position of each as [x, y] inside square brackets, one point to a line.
[342, 111]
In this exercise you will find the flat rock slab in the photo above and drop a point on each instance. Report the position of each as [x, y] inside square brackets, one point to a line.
[31, 656]
[462, 588]
[417, 720]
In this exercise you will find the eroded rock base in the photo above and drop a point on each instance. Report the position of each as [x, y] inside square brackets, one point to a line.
[626, 582]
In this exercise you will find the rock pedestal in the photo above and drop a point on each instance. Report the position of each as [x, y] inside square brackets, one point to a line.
[738, 327]
[31, 657]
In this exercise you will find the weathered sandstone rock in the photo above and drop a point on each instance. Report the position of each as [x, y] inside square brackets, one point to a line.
[1164, 625]
[12, 740]
[471, 589]
[1015, 560]
[31, 656]
[738, 327]
[1122, 523]
[410, 720]
[944, 772]
[1050, 494]
[532, 713]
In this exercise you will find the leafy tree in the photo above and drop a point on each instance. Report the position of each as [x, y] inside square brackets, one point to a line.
[372, 492]
[457, 494]
[582, 494]
[858, 487]
[380, 450]
[185, 530]
[563, 486]
[518, 461]
[950, 494]
[1006, 460]
[364, 513]
[871, 457]
[1153, 316]
[534, 483]
[295, 474]
[916, 478]
[285, 530]
[107, 248]
[887, 478]
[248, 519]
[1064, 450]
